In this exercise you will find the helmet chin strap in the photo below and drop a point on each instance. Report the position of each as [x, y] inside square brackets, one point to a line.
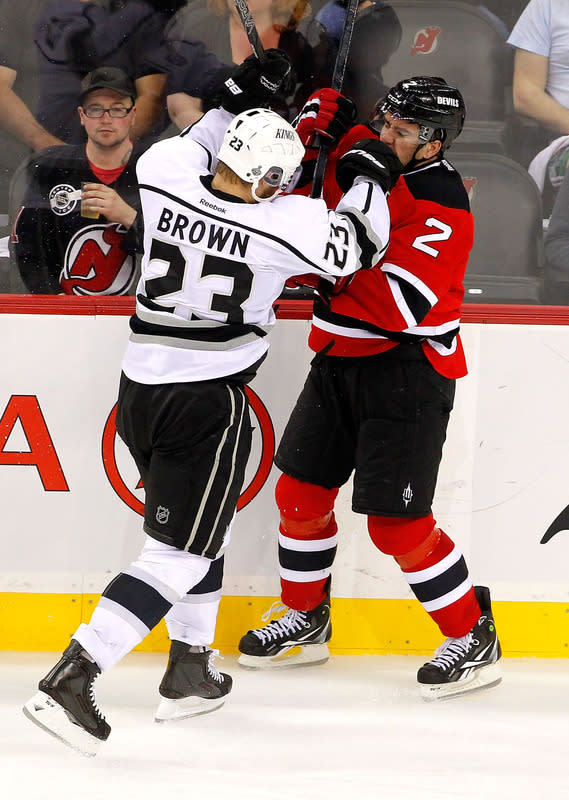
[264, 199]
[414, 161]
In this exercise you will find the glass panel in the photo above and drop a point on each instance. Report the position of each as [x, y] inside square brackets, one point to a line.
[173, 55]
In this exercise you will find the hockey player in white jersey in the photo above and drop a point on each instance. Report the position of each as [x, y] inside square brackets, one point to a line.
[221, 239]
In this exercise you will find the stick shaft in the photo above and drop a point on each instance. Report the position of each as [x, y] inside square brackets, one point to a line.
[250, 29]
[336, 84]
[344, 45]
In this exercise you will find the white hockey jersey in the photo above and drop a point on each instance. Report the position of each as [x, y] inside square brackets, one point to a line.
[213, 264]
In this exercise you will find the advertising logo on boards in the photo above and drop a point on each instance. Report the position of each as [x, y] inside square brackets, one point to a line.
[123, 476]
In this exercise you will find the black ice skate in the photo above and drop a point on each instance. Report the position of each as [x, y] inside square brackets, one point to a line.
[298, 638]
[191, 684]
[65, 705]
[465, 664]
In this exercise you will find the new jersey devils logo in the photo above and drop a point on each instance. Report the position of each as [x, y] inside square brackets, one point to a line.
[426, 41]
[96, 263]
[469, 184]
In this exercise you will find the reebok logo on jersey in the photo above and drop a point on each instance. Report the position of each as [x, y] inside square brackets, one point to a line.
[204, 202]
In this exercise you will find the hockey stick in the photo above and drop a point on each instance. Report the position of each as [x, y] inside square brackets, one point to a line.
[336, 84]
[250, 29]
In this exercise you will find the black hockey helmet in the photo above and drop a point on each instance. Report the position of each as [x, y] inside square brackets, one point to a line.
[436, 107]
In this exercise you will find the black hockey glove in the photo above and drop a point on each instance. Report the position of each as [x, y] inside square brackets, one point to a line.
[327, 113]
[372, 159]
[254, 84]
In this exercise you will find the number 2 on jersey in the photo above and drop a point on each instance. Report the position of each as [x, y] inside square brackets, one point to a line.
[445, 231]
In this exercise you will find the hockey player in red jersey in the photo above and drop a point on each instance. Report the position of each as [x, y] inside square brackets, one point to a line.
[379, 394]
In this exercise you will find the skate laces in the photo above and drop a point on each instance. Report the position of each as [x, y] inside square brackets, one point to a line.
[276, 608]
[212, 669]
[291, 622]
[452, 650]
[93, 700]
[91, 685]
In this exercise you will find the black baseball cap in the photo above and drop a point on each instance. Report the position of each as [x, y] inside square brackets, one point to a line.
[107, 78]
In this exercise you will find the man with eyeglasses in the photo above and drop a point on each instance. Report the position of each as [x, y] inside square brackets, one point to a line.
[73, 37]
[77, 230]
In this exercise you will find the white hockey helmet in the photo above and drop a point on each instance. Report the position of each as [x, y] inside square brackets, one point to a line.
[259, 144]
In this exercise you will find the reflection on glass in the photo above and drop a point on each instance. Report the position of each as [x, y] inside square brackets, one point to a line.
[175, 51]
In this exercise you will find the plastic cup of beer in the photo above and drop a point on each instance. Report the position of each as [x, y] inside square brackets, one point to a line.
[88, 213]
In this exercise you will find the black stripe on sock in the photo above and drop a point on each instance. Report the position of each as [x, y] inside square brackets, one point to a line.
[139, 598]
[441, 584]
[213, 579]
[306, 561]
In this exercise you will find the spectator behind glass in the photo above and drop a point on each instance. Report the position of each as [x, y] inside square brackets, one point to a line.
[69, 241]
[20, 131]
[556, 277]
[503, 13]
[74, 37]
[376, 36]
[541, 67]
[217, 24]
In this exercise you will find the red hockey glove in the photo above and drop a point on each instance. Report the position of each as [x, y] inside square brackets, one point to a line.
[326, 287]
[326, 113]
[308, 280]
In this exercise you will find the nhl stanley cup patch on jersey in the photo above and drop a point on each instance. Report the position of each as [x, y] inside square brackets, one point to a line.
[63, 198]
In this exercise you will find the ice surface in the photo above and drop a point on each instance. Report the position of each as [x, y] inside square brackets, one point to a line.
[352, 729]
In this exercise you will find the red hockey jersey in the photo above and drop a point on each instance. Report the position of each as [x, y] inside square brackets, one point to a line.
[414, 293]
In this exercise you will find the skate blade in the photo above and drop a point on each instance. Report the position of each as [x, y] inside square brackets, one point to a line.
[48, 715]
[175, 710]
[299, 656]
[484, 678]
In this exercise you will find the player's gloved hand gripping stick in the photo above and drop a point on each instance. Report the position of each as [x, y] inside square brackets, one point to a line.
[326, 116]
[332, 116]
